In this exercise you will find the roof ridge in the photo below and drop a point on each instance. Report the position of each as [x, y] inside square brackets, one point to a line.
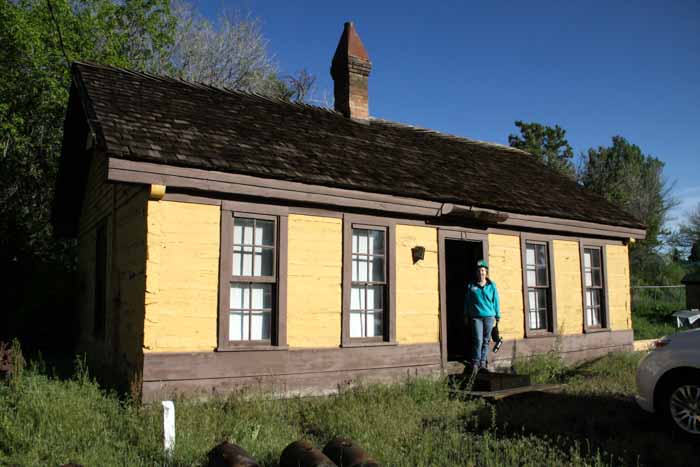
[205, 86]
[450, 136]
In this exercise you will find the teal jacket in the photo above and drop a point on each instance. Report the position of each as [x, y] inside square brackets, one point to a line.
[481, 302]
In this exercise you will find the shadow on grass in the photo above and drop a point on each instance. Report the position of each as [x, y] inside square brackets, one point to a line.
[606, 423]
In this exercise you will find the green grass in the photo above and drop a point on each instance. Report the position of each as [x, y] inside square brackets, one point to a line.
[421, 422]
[652, 310]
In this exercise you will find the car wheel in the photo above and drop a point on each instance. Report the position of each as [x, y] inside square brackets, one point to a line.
[682, 405]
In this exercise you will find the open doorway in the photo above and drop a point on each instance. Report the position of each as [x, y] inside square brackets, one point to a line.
[461, 257]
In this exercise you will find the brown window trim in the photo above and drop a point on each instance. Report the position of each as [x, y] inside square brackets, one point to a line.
[101, 279]
[552, 318]
[605, 315]
[389, 337]
[278, 334]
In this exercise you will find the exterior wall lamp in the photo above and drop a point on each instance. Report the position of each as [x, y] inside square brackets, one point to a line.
[418, 253]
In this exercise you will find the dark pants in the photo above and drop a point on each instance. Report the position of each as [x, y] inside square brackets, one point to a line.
[481, 338]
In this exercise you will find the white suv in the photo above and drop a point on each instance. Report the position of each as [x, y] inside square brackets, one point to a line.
[668, 381]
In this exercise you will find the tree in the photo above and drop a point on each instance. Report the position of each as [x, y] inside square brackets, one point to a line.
[38, 39]
[549, 144]
[229, 53]
[624, 175]
[301, 85]
[686, 238]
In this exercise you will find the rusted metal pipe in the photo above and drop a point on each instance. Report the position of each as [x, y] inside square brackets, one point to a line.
[230, 455]
[346, 453]
[304, 454]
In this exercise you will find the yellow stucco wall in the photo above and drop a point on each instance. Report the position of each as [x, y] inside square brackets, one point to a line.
[314, 287]
[182, 276]
[417, 286]
[505, 270]
[618, 281]
[567, 271]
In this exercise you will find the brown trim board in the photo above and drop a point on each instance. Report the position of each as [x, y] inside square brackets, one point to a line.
[584, 243]
[329, 382]
[163, 366]
[350, 220]
[122, 170]
[452, 234]
[552, 317]
[570, 346]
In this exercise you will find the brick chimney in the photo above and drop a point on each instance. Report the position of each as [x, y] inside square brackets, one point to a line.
[350, 71]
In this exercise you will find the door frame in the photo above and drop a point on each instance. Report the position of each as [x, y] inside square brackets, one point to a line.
[444, 234]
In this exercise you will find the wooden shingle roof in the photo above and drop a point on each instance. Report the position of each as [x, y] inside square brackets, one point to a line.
[152, 119]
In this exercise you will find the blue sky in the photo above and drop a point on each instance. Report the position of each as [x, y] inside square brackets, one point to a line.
[597, 69]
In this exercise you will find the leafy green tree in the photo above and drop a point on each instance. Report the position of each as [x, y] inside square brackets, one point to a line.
[686, 238]
[548, 143]
[624, 175]
[38, 39]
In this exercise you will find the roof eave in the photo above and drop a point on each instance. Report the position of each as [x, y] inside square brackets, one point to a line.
[211, 181]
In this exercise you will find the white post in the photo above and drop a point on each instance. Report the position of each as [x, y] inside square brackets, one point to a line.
[168, 427]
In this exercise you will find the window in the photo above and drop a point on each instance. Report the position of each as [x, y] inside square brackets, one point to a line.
[538, 288]
[100, 297]
[253, 280]
[594, 294]
[368, 290]
[368, 280]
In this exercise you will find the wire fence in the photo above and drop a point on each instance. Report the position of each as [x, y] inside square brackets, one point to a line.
[664, 296]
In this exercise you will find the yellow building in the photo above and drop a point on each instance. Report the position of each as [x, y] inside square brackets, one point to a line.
[230, 240]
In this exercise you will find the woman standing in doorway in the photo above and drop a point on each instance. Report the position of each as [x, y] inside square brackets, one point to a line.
[482, 311]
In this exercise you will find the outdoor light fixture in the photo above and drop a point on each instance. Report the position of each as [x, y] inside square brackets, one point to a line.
[418, 253]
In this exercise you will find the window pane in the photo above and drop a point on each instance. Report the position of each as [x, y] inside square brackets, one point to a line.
[235, 326]
[359, 241]
[530, 255]
[595, 258]
[542, 300]
[375, 297]
[597, 278]
[532, 300]
[587, 258]
[376, 242]
[266, 325]
[531, 277]
[246, 326]
[542, 276]
[542, 317]
[243, 231]
[260, 326]
[374, 324]
[264, 232]
[242, 262]
[593, 316]
[356, 324]
[256, 302]
[264, 261]
[376, 273]
[534, 320]
[378, 323]
[588, 278]
[236, 301]
[359, 268]
[589, 298]
[541, 255]
[262, 296]
[357, 298]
